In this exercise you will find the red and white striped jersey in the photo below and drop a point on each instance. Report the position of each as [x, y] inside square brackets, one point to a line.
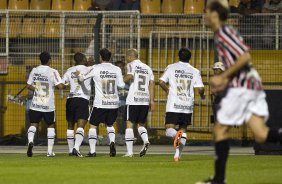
[230, 46]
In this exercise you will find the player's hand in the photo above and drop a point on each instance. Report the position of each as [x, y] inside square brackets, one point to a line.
[218, 83]
[77, 73]
[152, 106]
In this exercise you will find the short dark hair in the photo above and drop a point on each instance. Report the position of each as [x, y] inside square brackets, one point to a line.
[105, 54]
[79, 58]
[222, 11]
[184, 55]
[44, 57]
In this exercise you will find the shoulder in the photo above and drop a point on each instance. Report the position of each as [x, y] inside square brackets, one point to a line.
[170, 66]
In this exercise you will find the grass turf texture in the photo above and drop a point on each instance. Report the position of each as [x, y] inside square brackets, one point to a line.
[155, 169]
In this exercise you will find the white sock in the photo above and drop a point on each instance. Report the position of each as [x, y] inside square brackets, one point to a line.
[170, 132]
[70, 138]
[179, 149]
[78, 138]
[51, 139]
[111, 134]
[144, 134]
[92, 136]
[30, 133]
[129, 138]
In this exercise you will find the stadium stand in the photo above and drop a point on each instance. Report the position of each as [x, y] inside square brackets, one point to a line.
[172, 6]
[3, 4]
[81, 5]
[234, 3]
[62, 5]
[150, 6]
[194, 6]
[40, 4]
[18, 4]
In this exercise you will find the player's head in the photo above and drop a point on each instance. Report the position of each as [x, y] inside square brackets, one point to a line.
[218, 68]
[121, 65]
[184, 55]
[45, 58]
[105, 55]
[80, 59]
[131, 55]
[217, 13]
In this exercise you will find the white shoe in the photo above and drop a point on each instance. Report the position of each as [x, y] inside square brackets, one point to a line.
[128, 155]
[51, 155]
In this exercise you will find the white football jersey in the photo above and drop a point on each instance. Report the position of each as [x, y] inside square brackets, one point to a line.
[44, 79]
[77, 89]
[107, 79]
[139, 88]
[182, 79]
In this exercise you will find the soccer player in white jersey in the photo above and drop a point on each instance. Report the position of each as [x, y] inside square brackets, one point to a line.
[244, 99]
[182, 79]
[77, 103]
[139, 99]
[107, 78]
[42, 80]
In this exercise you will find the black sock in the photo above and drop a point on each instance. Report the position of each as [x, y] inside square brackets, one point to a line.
[221, 151]
[274, 135]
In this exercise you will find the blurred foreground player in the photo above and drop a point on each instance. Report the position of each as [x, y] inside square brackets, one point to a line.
[42, 80]
[77, 110]
[182, 79]
[244, 90]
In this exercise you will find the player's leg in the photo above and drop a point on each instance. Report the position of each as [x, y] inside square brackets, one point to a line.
[70, 136]
[142, 117]
[181, 138]
[71, 121]
[49, 118]
[110, 119]
[95, 119]
[81, 114]
[79, 135]
[129, 133]
[35, 117]
[261, 132]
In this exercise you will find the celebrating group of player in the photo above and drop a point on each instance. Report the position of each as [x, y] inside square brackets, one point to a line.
[108, 80]
[238, 90]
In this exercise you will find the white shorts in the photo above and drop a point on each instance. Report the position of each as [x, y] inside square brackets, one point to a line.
[239, 104]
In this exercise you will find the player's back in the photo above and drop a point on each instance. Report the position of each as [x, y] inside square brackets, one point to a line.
[44, 78]
[139, 87]
[107, 79]
[182, 78]
[77, 89]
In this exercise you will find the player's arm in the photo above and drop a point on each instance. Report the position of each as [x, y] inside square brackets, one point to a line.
[129, 73]
[201, 92]
[30, 81]
[164, 86]
[58, 80]
[121, 83]
[152, 94]
[200, 85]
[82, 77]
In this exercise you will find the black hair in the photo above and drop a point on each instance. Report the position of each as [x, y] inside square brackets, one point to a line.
[222, 11]
[105, 54]
[184, 55]
[44, 57]
[79, 58]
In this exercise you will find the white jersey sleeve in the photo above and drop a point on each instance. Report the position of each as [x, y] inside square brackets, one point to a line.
[30, 78]
[57, 77]
[130, 69]
[121, 83]
[87, 74]
[166, 74]
[152, 77]
[198, 81]
[65, 79]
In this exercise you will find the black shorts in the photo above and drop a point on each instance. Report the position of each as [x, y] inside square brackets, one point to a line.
[77, 108]
[181, 119]
[137, 113]
[107, 116]
[37, 116]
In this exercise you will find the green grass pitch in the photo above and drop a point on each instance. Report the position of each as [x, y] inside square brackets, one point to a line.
[152, 169]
